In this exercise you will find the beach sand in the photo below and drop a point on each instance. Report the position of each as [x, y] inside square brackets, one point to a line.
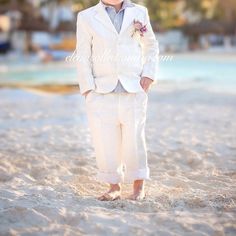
[47, 167]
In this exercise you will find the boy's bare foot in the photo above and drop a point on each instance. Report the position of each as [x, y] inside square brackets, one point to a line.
[138, 192]
[114, 193]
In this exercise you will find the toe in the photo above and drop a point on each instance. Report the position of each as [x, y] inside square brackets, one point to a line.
[131, 197]
[109, 197]
[100, 198]
[106, 197]
[117, 198]
[137, 196]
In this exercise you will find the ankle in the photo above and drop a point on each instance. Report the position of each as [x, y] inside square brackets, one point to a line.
[115, 187]
[138, 184]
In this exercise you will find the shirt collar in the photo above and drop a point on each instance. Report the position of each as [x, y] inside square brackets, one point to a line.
[125, 3]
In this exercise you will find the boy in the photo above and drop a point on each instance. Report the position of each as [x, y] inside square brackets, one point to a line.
[117, 50]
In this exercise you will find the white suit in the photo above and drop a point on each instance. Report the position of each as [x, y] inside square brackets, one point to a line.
[117, 120]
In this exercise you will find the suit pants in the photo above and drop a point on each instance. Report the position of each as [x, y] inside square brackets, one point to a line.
[117, 125]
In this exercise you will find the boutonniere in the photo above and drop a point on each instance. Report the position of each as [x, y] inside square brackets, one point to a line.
[139, 27]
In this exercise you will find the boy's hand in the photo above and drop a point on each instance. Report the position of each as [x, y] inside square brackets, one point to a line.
[145, 83]
[86, 93]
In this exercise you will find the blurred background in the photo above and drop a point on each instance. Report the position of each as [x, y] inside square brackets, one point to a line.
[34, 35]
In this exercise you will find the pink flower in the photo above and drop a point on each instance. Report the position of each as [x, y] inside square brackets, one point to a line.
[139, 27]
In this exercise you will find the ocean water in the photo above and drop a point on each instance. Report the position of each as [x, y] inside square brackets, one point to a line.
[211, 71]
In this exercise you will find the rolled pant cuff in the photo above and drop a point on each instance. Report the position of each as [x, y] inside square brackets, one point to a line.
[111, 178]
[131, 176]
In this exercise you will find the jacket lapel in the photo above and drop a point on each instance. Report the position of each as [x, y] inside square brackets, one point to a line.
[129, 16]
[102, 16]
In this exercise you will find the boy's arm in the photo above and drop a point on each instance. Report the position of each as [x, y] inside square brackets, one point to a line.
[150, 51]
[83, 53]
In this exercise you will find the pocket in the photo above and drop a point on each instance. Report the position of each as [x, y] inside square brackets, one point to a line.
[146, 93]
[88, 95]
[143, 91]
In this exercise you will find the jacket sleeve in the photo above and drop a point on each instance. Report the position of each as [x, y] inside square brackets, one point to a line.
[150, 48]
[83, 55]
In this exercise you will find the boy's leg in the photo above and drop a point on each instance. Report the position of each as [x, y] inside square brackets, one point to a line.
[102, 111]
[134, 153]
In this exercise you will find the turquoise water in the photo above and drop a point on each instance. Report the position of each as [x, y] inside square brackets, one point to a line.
[214, 71]
[221, 71]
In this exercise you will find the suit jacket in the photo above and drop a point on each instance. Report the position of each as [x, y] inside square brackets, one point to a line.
[105, 56]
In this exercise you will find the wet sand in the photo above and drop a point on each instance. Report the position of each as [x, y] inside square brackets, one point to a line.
[47, 166]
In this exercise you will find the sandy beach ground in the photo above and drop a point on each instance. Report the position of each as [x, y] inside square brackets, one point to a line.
[47, 167]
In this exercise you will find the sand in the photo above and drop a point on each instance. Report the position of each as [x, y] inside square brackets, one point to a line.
[47, 167]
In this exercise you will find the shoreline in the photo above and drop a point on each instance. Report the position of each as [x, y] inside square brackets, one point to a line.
[161, 86]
